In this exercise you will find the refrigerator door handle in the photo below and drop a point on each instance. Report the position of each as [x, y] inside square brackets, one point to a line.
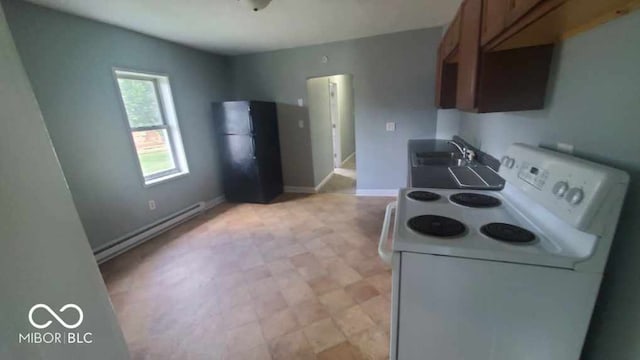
[253, 147]
[250, 122]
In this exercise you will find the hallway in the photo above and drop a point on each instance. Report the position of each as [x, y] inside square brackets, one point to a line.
[343, 180]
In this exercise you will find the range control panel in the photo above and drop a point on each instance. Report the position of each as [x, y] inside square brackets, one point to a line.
[569, 187]
[534, 175]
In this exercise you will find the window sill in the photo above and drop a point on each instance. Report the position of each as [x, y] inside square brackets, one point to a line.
[163, 179]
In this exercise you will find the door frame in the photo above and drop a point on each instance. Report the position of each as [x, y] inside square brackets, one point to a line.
[334, 112]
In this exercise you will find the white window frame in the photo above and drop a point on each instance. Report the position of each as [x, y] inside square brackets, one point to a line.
[169, 123]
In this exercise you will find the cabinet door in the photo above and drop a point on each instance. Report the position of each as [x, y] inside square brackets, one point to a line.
[468, 54]
[518, 8]
[494, 18]
[446, 77]
[439, 61]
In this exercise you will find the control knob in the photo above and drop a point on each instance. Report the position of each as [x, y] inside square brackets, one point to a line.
[560, 188]
[507, 161]
[575, 196]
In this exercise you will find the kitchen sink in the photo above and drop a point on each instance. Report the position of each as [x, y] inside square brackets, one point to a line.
[446, 159]
[449, 162]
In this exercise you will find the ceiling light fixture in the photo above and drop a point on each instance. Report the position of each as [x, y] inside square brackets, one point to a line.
[256, 5]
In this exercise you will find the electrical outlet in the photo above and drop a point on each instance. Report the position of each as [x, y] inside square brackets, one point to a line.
[391, 126]
[301, 124]
[300, 102]
[152, 204]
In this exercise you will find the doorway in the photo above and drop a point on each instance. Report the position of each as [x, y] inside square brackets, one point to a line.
[332, 127]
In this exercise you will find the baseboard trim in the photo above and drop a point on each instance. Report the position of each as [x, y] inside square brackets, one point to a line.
[377, 192]
[348, 158]
[324, 182]
[299, 190]
[214, 202]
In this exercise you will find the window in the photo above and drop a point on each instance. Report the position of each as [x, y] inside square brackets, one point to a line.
[148, 106]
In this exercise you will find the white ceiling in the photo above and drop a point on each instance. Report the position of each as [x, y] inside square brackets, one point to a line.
[229, 27]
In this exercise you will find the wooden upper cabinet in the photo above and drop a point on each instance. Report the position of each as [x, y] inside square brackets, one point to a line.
[468, 54]
[518, 8]
[496, 55]
[533, 23]
[494, 19]
[451, 37]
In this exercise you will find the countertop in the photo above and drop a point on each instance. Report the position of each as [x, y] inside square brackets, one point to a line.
[430, 145]
[431, 176]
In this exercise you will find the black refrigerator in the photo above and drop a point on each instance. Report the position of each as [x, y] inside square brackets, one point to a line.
[248, 141]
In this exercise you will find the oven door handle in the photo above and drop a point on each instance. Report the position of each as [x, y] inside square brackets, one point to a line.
[386, 254]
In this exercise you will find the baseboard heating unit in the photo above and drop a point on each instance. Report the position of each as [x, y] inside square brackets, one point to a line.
[137, 237]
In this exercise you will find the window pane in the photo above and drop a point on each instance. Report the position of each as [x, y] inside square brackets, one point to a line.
[140, 102]
[154, 151]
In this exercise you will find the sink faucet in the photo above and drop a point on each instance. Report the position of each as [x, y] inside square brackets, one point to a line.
[467, 154]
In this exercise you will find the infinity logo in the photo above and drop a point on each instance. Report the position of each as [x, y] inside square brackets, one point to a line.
[62, 322]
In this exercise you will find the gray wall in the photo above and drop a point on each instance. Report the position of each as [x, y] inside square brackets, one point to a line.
[69, 61]
[394, 77]
[594, 104]
[320, 128]
[45, 255]
[448, 123]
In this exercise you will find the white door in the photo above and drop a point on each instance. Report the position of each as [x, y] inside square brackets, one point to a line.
[335, 124]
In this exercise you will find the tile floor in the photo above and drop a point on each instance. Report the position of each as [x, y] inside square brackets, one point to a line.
[297, 279]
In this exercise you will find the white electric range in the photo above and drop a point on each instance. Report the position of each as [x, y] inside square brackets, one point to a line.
[507, 275]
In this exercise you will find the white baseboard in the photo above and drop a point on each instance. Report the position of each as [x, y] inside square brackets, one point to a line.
[348, 158]
[299, 189]
[214, 202]
[324, 181]
[377, 192]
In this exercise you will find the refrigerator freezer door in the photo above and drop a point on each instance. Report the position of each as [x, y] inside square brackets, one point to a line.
[233, 117]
